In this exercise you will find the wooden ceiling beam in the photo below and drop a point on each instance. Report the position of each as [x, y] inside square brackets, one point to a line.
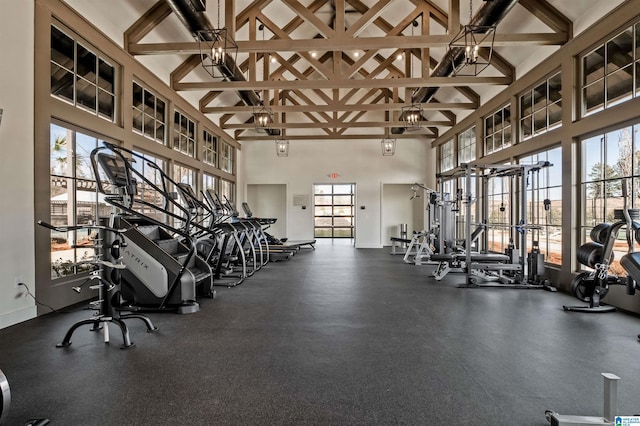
[346, 43]
[310, 17]
[367, 18]
[284, 36]
[413, 135]
[337, 124]
[548, 14]
[335, 107]
[191, 63]
[252, 10]
[146, 23]
[345, 117]
[207, 99]
[453, 23]
[339, 16]
[308, 101]
[343, 84]
[309, 115]
[499, 63]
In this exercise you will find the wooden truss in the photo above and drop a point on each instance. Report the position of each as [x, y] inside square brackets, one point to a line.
[316, 87]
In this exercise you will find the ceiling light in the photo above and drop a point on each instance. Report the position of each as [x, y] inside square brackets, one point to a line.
[356, 54]
[388, 146]
[314, 54]
[282, 147]
[412, 117]
[216, 48]
[262, 118]
[467, 60]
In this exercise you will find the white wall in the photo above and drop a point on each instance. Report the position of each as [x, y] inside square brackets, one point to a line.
[355, 161]
[16, 169]
[397, 208]
[270, 201]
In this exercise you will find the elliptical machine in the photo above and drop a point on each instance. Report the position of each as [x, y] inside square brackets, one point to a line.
[592, 286]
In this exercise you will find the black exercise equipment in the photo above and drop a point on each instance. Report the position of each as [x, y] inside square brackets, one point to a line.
[225, 249]
[631, 263]
[592, 286]
[163, 270]
[106, 277]
[275, 243]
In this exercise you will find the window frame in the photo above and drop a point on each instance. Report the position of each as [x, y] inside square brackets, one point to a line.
[447, 148]
[529, 113]
[227, 157]
[142, 131]
[467, 146]
[494, 133]
[210, 146]
[584, 83]
[187, 143]
[99, 57]
[546, 186]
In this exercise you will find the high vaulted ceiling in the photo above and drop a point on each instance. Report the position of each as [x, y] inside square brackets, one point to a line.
[340, 69]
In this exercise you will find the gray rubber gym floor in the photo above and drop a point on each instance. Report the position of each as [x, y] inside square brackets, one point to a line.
[335, 336]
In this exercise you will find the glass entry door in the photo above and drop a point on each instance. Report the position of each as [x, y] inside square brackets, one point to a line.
[334, 211]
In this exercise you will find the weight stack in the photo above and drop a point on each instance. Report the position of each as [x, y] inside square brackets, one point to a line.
[535, 265]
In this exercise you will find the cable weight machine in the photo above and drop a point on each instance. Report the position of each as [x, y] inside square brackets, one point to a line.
[516, 268]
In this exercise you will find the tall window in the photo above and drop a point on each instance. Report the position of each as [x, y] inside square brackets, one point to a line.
[497, 130]
[210, 148]
[498, 205]
[183, 174]
[148, 114]
[334, 211]
[608, 72]
[541, 108]
[447, 158]
[607, 160]
[81, 76]
[228, 190]
[467, 146]
[226, 160]
[145, 191]
[209, 182]
[184, 134]
[74, 199]
[459, 196]
[548, 222]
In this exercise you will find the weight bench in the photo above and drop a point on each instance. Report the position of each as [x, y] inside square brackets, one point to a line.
[396, 242]
[479, 261]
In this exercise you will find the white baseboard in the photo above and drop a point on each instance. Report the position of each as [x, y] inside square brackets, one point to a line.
[15, 317]
[368, 245]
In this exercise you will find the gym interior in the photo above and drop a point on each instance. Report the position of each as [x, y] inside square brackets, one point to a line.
[212, 216]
